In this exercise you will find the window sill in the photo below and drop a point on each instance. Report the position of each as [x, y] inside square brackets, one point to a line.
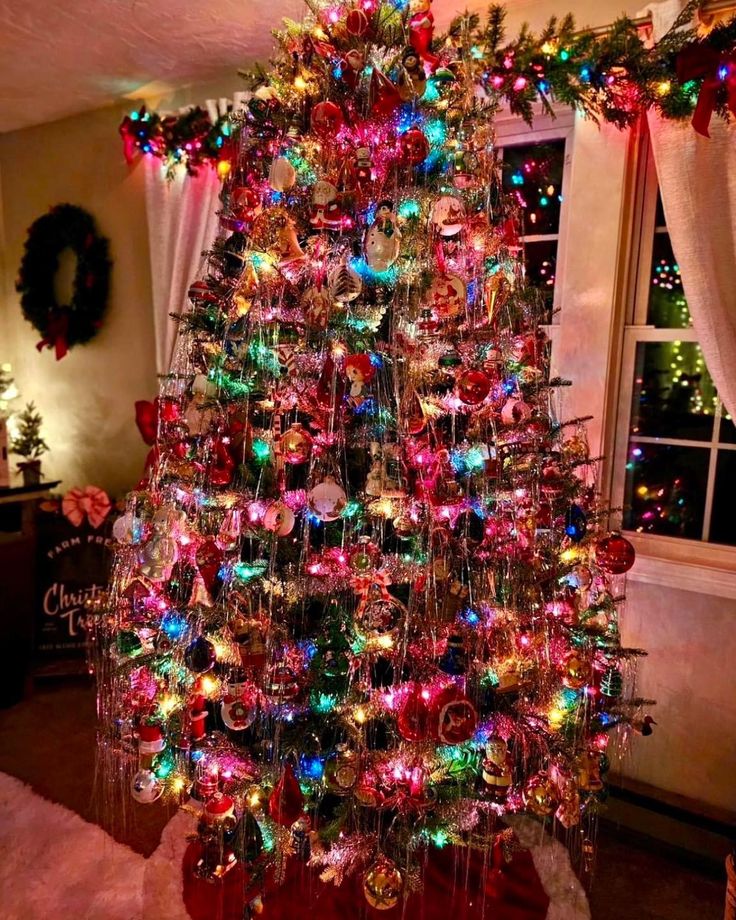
[684, 565]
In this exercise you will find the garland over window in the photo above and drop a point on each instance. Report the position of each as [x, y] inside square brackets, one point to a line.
[611, 77]
[63, 326]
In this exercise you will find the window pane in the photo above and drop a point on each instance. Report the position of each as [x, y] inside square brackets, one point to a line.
[673, 396]
[665, 489]
[723, 516]
[728, 429]
[533, 175]
[541, 265]
[667, 307]
[659, 220]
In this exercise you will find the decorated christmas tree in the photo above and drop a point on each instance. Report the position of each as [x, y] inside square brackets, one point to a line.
[364, 605]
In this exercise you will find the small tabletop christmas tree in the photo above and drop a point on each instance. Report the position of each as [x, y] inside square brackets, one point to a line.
[29, 444]
[366, 604]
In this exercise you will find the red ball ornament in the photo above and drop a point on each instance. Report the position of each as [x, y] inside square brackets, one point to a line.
[614, 554]
[473, 387]
[357, 22]
[414, 146]
[413, 721]
[326, 119]
[453, 716]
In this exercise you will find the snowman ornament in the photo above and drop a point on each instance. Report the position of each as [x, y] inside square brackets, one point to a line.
[383, 238]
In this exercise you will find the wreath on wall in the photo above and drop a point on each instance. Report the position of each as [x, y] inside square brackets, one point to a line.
[63, 326]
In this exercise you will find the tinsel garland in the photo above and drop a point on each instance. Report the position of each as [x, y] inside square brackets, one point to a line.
[611, 77]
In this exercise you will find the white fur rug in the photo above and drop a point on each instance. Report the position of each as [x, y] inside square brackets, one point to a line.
[56, 866]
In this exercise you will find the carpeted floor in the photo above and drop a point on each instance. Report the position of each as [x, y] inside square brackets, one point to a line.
[48, 742]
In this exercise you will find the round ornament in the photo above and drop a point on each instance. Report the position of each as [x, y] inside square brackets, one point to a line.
[200, 655]
[576, 670]
[341, 770]
[128, 528]
[448, 215]
[146, 787]
[540, 795]
[357, 23]
[327, 499]
[413, 720]
[296, 445]
[414, 146]
[515, 411]
[326, 119]
[454, 716]
[279, 519]
[383, 884]
[282, 175]
[380, 616]
[446, 296]
[281, 684]
[614, 554]
[473, 386]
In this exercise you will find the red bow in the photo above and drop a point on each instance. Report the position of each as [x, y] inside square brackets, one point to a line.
[716, 70]
[91, 503]
[57, 329]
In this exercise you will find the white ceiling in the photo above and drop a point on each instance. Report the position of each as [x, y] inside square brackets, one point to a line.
[60, 57]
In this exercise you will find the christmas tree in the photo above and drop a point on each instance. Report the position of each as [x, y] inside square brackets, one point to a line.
[365, 604]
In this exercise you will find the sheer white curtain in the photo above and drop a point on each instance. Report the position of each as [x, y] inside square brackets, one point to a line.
[697, 181]
[182, 223]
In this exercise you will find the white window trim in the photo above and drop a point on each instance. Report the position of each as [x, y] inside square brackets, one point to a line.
[676, 562]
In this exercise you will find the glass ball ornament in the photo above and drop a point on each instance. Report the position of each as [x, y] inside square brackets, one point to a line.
[282, 175]
[473, 386]
[327, 499]
[540, 795]
[448, 215]
[341, 769]
[614, 554]
[413, 722]
[281, 684]
[296, 445]
[146, 787]
[454, 716]
[279, 519]
[200, 655]
[357, 22]
[383, 884]
[414, 146]
[326, 119]
[577, 671]
[380, 617]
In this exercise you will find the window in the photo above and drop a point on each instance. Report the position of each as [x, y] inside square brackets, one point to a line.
[534, 168]
[676, 446]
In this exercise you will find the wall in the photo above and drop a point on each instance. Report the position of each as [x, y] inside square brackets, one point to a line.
[87, 398]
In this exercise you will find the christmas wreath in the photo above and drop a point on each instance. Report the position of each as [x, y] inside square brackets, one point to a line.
[64, 325]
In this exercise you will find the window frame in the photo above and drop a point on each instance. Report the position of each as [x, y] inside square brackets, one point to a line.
[685, 553]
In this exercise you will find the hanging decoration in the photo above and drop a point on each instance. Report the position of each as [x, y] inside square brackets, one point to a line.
[64, 325]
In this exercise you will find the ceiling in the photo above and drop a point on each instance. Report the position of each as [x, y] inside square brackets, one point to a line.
[63, 58]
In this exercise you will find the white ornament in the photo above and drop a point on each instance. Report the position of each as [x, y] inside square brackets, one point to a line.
[282, 175]
[448, 215]
[279, 519]
[327, 499]
[383, 239]
[146, 787]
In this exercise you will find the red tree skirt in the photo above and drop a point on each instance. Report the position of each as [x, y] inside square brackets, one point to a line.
[457, 886]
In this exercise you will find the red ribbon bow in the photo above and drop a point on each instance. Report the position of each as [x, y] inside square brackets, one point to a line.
[90, 502]
[717, 70]
[57, 330]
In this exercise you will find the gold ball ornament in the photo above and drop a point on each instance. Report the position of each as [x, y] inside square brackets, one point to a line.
[383, 884]
[296, 445]
[577, 671]
[540, 795]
